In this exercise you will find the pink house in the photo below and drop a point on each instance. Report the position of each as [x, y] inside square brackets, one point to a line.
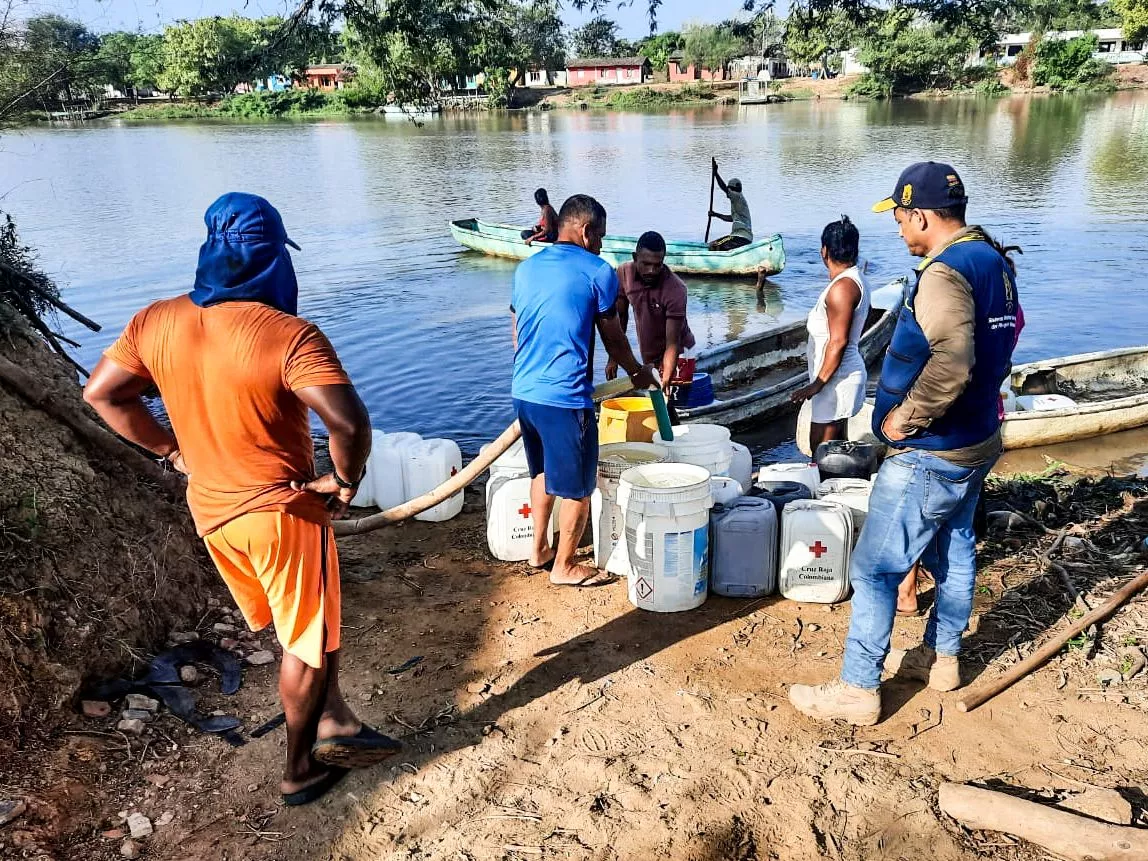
[681, 72]
[607, 70]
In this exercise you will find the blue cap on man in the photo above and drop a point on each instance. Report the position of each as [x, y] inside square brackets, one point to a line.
[926, 185]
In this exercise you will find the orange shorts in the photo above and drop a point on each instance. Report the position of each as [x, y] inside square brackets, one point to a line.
[282, 569]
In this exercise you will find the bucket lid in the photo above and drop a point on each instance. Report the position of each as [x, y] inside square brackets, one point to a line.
[697, 435]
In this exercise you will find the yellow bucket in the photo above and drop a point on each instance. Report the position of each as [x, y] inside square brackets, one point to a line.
[624, 420]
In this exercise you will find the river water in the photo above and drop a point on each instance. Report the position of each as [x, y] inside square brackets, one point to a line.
[115, 211]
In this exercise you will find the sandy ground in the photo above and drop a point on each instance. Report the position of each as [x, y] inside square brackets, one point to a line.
[544, 722]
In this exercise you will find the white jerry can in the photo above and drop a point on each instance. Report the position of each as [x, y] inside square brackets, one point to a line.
[510, 519]
[510, 464]
[741, 467]
[805, 473]
[853, 493]
[816, 541]
[431, 463]
[388, 466]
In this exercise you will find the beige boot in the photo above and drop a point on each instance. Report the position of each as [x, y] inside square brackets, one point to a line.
[942, 672]
[837, 701]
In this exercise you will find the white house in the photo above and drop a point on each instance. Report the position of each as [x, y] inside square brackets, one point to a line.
[1113, 47]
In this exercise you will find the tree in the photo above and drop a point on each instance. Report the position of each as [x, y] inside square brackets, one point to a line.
[659, 48]
[1133, 18]
[1067, 64]
[712, 46]
[905, 53]
[598, 37]
[58, 52]
[536, 37]
[814, 40]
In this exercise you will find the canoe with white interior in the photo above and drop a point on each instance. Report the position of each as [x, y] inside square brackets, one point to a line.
[1109, 390]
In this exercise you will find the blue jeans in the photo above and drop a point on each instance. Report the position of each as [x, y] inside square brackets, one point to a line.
[922, 507]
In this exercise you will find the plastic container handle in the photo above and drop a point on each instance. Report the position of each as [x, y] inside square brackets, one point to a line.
[661, 411]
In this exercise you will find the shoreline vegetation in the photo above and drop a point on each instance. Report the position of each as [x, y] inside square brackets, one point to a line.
[314, 104]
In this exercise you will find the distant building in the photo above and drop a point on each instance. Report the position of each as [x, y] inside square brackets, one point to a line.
[1113, 47]
[537, 77]
[681, 71]
[326, 76]
[757, 67]
[608, 70]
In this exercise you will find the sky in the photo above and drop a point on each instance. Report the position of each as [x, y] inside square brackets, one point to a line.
[151, 15]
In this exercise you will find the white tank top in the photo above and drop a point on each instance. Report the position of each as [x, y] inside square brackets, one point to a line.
[818, 326]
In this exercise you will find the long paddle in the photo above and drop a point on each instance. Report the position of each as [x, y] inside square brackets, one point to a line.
[713, 182]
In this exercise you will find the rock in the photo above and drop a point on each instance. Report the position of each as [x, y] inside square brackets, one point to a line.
[139, 826]
[10, 809]
[1007, 521]
[213, 602]
[478, 687]
[224, 628]
[181, 637]
[142, 702]
[1109, 677]
[131, 727]
[1105, 804]
[137, 714]
[228, 643]
[130, 849]
[159, 781]
[95, 708]
[166, 818]
[188, 674]
[113, 834]
[1132, 662]
[260, 659]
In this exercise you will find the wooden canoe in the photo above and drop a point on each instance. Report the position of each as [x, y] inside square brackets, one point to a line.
[688, 258]
[1110, 389]
[754, 377]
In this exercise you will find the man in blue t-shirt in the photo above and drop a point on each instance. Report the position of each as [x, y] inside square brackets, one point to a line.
[560, 295]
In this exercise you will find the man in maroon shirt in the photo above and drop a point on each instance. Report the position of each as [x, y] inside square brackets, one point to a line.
[658, 299]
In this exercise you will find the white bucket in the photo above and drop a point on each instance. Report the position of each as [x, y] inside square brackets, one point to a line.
[741, 466]
[725, 489]
[431, 463]
[816, 542]
[388, 465]
[802, 473]
[666, 509]
[707, 446]
[606, 519]
[851, 492]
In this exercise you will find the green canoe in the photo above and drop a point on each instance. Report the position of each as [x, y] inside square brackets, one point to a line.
[689, 258]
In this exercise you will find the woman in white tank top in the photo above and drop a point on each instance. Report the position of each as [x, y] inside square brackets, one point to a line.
[837, 374]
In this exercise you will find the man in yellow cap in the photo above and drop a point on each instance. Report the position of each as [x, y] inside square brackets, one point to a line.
[936, 407]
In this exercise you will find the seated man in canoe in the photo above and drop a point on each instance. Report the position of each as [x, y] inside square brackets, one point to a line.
[546, 230]
[741, 233]
[658, 299]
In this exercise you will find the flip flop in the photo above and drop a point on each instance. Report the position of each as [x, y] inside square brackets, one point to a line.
[591, 581]
[316, 790]
[369, 747]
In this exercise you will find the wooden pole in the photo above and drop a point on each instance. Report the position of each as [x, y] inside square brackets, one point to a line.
[1068, 835]
[713, 182]
[987, 691]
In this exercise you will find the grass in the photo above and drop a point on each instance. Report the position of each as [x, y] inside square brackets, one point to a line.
[646, 98]
[257, 106]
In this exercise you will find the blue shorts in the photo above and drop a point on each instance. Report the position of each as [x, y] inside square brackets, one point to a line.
[561, 444]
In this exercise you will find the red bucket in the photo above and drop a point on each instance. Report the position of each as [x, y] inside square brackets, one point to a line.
[686, 370]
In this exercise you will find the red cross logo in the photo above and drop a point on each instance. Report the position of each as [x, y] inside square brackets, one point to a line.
[818, 549]
[525, 511]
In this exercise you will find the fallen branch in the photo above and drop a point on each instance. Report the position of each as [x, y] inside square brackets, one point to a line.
[1042, 655]
[1076, 838]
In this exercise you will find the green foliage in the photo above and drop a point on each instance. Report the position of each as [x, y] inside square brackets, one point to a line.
[645, 98]
[288, 103]
[1133, 15]
[49, 59]
[130, 61]
[990, 86]
[659, 48]
[905, 55]
[22, 284]
[816, 40]
[1042, 16]
[712, 46]
[598, 37]
[1068, 64]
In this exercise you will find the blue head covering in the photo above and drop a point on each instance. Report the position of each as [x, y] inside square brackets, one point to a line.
[245, 256]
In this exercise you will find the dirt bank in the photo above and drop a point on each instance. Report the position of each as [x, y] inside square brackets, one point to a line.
[555, 723]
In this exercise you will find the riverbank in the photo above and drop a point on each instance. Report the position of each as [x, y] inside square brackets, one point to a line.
[542, 721]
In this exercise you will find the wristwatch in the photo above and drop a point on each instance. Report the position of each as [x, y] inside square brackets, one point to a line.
[346, 485]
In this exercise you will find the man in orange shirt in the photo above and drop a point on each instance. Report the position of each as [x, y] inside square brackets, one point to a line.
[237, 372]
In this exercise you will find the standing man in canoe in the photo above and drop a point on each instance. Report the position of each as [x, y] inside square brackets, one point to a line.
[937, 408]
[546, 230]
[741, 233]
[658, 299]
[560, 296]
[238, 372]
